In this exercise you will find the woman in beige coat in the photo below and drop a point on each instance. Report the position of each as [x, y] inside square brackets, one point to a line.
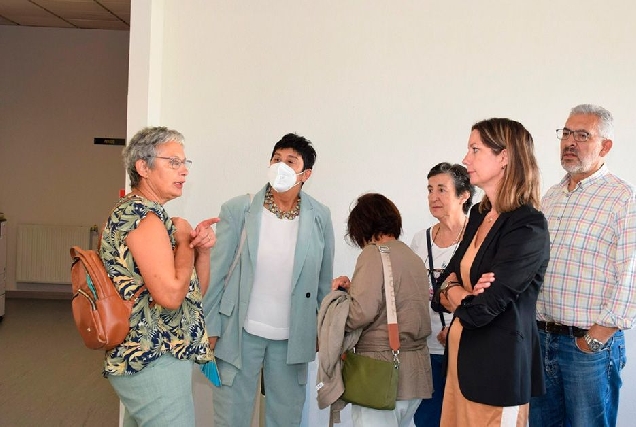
[375, 220]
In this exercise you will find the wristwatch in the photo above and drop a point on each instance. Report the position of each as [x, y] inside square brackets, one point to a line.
[594, 344]
[443, 286]
[446, 286]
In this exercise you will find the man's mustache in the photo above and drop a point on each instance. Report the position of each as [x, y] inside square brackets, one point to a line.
[569, 150]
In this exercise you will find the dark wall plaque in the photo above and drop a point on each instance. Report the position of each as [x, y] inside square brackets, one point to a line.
[110, 141]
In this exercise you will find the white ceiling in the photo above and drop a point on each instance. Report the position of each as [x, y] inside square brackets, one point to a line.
[84, 14]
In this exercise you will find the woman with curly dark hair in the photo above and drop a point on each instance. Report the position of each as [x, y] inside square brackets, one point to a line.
[375, 221]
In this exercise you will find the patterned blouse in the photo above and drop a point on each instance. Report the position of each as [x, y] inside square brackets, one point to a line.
[154, 330]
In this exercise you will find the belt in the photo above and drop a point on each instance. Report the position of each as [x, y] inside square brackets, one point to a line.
[557, 328]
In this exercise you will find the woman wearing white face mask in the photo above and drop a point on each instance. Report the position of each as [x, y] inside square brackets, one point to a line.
[262, 313]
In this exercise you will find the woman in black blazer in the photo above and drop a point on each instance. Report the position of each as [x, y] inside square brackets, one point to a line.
[492, 283]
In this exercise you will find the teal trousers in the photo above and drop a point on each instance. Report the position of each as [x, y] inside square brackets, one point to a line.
[284, 385]
[159, 395]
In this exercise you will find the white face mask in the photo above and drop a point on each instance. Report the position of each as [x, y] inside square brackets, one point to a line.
[282, 177]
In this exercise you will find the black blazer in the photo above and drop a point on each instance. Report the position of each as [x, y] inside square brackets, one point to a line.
[499, 357]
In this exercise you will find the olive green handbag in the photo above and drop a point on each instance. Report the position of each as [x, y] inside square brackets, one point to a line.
[371, 382]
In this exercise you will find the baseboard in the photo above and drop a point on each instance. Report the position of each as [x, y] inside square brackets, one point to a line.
[39, 295]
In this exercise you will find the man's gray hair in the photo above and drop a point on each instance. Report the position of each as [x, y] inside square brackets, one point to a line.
[605, 118]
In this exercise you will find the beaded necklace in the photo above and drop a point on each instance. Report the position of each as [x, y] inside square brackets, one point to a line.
[458, 236]
[271, 206]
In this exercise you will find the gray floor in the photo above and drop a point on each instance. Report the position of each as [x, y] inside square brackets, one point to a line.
[47, 376]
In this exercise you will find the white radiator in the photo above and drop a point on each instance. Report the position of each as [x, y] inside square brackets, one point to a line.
[43, 252]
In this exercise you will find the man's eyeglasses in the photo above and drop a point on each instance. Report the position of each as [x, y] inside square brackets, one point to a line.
[578, 135]
[175, 162]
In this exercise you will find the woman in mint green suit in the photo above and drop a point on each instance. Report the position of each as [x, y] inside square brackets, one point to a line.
[262, 314]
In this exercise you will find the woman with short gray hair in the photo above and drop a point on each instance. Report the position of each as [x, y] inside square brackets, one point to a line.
[162, 264]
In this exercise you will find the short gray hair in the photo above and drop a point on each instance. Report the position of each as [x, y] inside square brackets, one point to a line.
[605, 118]
[144, 146]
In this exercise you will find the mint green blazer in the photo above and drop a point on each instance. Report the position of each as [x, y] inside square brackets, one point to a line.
[225, 304]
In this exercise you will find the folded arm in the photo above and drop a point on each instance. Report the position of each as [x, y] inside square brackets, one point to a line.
[523, 250]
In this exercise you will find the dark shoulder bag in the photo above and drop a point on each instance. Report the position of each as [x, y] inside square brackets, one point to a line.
[435, 304]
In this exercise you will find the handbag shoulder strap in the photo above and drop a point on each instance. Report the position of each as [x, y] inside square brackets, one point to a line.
[429, 247]
[239, 249]
[389, 293]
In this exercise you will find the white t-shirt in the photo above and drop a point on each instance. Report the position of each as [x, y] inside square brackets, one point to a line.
[441, 258]
[269, 308]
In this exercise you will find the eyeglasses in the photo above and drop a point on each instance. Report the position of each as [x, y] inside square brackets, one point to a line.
[175, 162]
[578, 135]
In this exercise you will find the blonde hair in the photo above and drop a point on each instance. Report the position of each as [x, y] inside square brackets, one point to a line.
[520, 183]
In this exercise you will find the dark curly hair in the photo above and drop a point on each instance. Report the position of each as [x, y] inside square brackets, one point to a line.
[374, 215]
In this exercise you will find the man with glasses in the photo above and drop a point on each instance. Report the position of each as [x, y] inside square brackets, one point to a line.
[586, 300]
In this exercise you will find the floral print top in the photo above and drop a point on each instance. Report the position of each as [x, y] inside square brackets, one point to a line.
[154, 330]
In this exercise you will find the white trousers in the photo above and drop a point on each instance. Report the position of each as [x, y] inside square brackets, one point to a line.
[401, 416]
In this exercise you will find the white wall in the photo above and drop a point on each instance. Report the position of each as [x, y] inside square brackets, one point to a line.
[384, 89]
[59, 89]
